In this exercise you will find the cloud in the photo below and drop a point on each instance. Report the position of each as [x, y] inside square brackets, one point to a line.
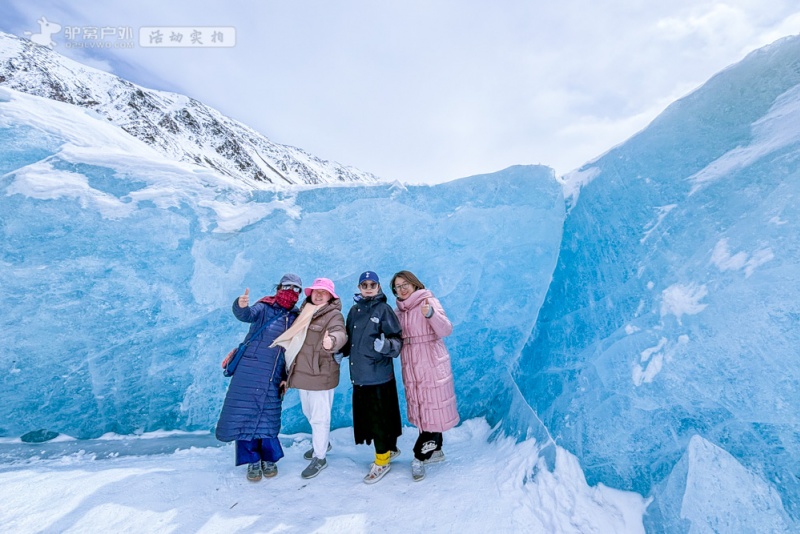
[788, 26]
[425, 91]
[717, 24]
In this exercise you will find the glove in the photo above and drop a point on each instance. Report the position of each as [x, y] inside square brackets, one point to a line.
[338, 358]
[379, 343]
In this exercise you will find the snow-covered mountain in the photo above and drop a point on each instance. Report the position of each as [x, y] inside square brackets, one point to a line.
[179, 127]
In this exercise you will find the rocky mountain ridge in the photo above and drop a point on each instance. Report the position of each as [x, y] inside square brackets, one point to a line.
[179, 127]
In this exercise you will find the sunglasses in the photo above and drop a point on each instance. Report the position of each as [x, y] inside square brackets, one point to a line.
[401, 287]
[291, 287]
[368, 285]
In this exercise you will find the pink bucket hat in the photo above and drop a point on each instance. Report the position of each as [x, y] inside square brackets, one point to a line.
[322, 283]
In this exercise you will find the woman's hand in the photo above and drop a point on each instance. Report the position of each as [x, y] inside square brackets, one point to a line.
[244, 300]
[426, 309]
[327, 341]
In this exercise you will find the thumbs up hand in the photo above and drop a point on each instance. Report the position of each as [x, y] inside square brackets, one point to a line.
[379, 344]
[327, 341]
[244, 300]
[427, 311]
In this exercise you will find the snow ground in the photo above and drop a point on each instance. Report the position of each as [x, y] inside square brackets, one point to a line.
[482, 486]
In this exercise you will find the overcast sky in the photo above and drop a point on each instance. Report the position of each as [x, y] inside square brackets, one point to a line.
[429, 91]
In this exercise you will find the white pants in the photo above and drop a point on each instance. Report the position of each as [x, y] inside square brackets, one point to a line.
[317, 409]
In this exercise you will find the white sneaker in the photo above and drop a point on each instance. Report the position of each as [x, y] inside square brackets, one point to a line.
[437, 456]
[417, 470]
[376, 472]
[394, 454]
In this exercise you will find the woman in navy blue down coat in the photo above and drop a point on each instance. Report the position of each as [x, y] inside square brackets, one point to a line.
[251, 414]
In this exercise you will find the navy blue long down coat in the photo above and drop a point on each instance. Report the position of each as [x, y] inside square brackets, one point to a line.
[252, 408]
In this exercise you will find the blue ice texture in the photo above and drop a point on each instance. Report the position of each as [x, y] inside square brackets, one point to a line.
[649, 322]
[116, 310]
[674, 310]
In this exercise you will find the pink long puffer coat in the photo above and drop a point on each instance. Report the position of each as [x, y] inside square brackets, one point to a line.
[427, 375]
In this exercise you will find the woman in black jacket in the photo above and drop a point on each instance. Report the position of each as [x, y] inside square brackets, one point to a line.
[374, 340]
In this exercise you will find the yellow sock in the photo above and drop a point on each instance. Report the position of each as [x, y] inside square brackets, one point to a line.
[382, 459]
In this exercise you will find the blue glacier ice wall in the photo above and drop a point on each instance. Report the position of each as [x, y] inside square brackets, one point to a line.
[118, 270]
[710, 491]
[674, 309]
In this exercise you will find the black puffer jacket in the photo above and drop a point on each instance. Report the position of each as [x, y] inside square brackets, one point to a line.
[367, 320]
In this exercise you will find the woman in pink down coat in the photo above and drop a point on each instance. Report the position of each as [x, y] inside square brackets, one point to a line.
[427, 375]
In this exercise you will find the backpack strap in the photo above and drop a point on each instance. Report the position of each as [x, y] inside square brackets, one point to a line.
[263, 326]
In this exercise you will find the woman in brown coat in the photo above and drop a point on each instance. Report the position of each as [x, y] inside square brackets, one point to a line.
[320, 333]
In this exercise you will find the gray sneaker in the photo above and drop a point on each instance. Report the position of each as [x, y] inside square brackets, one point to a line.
[309, 454]
[394, 454]
[270, 469]
[314, 468]
[417, 470]
[254, 472]
[437, 456]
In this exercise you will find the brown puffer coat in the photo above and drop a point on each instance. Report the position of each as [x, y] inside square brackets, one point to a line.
[314, 368]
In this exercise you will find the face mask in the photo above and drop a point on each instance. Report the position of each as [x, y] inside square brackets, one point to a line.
[286, 298]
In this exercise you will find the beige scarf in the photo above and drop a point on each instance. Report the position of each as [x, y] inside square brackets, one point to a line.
[292, 339]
